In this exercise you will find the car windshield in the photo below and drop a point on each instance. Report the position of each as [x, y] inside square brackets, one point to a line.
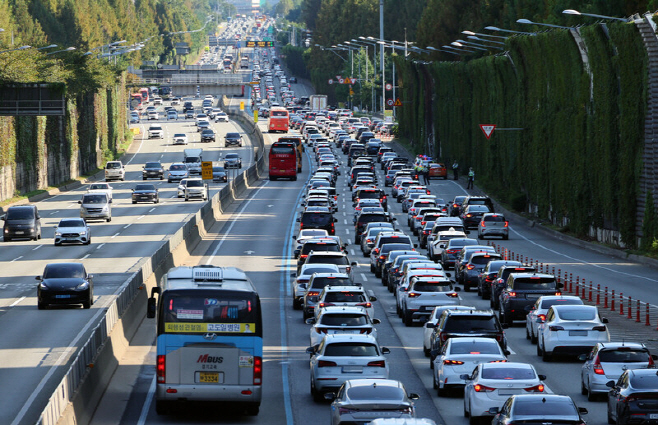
[144, 187]
[508, 373]
[61, 271]
[153, 165]
[462, 346]
[373, 392]
[231, 156]
[540, 407]
[178, 167]
[232, 136]
[312, 232]
[155, 127]
[71, 223]
[577, 314]
[94, 199]
[218, 169]
[348, 349]
[195, 183]
[344, 320]
[20, 214]
[344, 297]
[98, 187]
[468, 324]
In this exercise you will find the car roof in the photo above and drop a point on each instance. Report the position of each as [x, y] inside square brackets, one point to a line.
[605, 346]
[337, 309]
[506, 365]
[340, 288]
[531, 275]
[335, 338]
[327, 253]
[334, 275]
[372, 381]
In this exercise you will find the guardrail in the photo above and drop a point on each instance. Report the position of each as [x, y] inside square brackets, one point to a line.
[80, 390]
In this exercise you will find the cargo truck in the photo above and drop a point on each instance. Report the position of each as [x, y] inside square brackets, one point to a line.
[318, 102]
[193, 159]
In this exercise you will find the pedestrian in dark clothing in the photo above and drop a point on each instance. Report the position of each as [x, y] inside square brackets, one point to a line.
[425, 172]
[455, 169]
[471, 178]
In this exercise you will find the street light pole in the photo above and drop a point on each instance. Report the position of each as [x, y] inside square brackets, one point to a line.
[381, 52]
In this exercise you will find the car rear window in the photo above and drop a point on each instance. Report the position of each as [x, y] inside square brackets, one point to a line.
[537, 283]
[375, 393]
[461, 243]
[394, 239]
[473, 347]
[495, 218]
[386, 248]
[347, 349]
[577, 314]
[482, 259]
[644, 381]
[508, 373]
[333, 259]
[545, 407]
[321, 282]
[431, 287]
[624, 355]
[551, 302]
[317, 219]
[470, 324]
[369, 218]
[344, 320]
[344, 297]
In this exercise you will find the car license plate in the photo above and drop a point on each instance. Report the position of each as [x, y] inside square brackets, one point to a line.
[209, 377]
[577, 333]
[19, 232]
[653, 415]
[352, 369]
[532, 296]
[62, 296]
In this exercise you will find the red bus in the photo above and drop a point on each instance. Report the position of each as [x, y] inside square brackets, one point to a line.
[135, 101]
[300, 148]
[283, 160]
[279, 119]
[145, 95]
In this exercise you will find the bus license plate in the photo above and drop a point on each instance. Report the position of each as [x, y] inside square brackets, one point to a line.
[209, 377]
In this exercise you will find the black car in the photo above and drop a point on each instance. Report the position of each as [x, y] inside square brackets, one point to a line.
[455, 206]
[499, 282]
[539, 409]
[489, 275]
[22, 222]
[145, 193]
[477, 200]
[153, 170]
[365, 218]
[188, 106]
[634, 397]
[207, 136]
[521, 292]
[473, 214]
[318, 218]
[466, 323]
[65, 283]
[218, 174]
[232, 139]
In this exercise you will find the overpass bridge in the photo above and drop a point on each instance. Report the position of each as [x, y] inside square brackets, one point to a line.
[186, 84]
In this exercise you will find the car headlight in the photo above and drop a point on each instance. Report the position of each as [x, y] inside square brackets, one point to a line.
[43, 285]
[105, 208]
[83, 285]
[84, 232]
[58, 233]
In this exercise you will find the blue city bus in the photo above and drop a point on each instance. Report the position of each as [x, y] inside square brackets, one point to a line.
[209, 338]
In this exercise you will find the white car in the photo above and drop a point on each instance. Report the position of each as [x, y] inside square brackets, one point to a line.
[540, 308]
[570, 329]
[306, 234]
[491, 384]
[345, 296]
[424, 294]
[339, 358]
[180, 139]
[341, 320]
[221, 116]
[415, 271]
[155, 131]
[153, 115]
[428, 327]
[195, 188]
[459, 356]
[72, 230]
[157, 100]
[102, 188]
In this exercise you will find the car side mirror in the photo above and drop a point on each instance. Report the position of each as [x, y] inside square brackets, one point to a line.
[610, 384]
[415, 245]
[414, 396]
[298, 220]
[372, 298]
[310, 350]
[335, 220]
[582, 410]
[80, 202]
[457, 289]
[604, 320]
[507, 352]
[504, 326]
[465, 377]
[150, 308]
[385, 350]
[330, 396]
[528, 308]
[494, 410]
[582, 357]
[37, 277]
[354, 264]
[468, 232]
[376, 321]
[310, 321]
[541, 377]
[430, 325]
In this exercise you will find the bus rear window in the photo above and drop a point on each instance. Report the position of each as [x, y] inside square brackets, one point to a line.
[282, 150]
[278, 113]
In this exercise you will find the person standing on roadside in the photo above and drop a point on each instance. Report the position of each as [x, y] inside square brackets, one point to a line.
[471, 178]
[455, 169]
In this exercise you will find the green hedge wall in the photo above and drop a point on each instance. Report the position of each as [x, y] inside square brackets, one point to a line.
[578, 157]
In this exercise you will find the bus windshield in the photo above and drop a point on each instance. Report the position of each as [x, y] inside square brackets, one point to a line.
[201, 311]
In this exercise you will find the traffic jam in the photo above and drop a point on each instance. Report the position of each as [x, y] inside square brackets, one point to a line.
[427, 251]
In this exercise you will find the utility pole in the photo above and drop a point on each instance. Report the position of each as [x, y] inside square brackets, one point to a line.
[381, 52]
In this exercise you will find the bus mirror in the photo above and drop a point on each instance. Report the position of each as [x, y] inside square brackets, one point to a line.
[150, 308]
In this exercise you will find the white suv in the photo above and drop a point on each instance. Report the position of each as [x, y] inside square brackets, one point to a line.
[114, 170]
[156, 131]
[346, 296]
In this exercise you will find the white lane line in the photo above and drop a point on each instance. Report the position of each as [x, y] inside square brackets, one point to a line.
[85, 257]
[17, 301]
[100, 246]
[16, 259]
[141, 217]
[344, 214]
[152, 209]
[127, 225]
[35, 248]
[54, 212]
[352, 252]
[364, 277]
[349, 241]
[345, 222]
[347, 232]
[510, 350]
[115, 235]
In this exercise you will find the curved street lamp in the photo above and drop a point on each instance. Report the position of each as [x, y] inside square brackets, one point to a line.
[490, 28]
[528, 21]
[575, 12]
[484, 35]
[18, 48]
[68, 49]
[475, 37]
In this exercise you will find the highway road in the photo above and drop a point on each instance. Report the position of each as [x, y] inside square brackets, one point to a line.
[36, 346]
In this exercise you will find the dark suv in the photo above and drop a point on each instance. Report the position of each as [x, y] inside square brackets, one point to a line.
[371, 194]
[22, 222]
[521, 292]
[207, 135]
[500, 281]
[466, 323]
[317, 218]
[232, 139]
[471, 270]
[365, 218]
[153, 170]
[489, 274]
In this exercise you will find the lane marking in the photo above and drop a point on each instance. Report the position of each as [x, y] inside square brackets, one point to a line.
[17, 301]
[85, 257]
[54, 212]
[100, 246]
[115, 235]
[152, 209]
[34, 249]
[16, 259]
[364, 277]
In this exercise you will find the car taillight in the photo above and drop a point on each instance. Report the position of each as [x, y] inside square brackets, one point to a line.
[444, 337]
[160, 369]
[499, 337]
[506, 224]
[488, 279]
[382, 257]
[482, 223]
[470, 266]
[422, 223]
[469, 215]
[452, 251]
[536, 389]
[258, 370]
[322, 305]
[542, 317]
[303, 256]
[376, 250]
[555, 328]
[499, 361]
[345, 411]
[301, 226]
[511, 294]
[455, 206]
[452, 294]
[325, 363]
[558, 293]
[366, 305]
[598, 369]
[378, 363]
[321, 330]
[651, 364]
[366, 331]
[414, 294]
[601, 328]
[348, 268]
[313, 294]
[482, 389]
[453, 362]
[405, 410]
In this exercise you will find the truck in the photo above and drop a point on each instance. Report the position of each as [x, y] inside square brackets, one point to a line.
[244, 62]
[192, 159]
[318, 102]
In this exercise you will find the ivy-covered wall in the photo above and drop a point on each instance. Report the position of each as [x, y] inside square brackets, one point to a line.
[577, 159]
[40, 152]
